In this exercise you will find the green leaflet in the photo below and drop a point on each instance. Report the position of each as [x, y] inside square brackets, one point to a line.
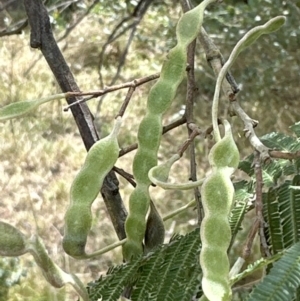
[282, 281]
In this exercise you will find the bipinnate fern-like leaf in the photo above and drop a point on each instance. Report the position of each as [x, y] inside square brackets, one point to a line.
[274, 229]
[111, 286]
[243, 197]
[282, 214]
[282, 281]
[278, 168]
[171, 272]
[296, 128]
[182, 265]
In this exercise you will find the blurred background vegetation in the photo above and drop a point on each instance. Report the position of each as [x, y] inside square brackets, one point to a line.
[40, 154]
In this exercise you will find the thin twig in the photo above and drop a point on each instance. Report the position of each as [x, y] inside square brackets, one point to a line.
[136, 16]
[259, 219]
[284, 155]
[249, 125]
[124, 55]
[127, 176]
[134, 83]
[126, 101]
[189, 112]
[259, 204]
[250, 238]
[68, 30]
[230, 89]
[78, 20]
[188, 143]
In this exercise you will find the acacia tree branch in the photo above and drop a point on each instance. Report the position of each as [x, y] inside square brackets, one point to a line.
[78, 20]
[132, 84]
[230, 89]
[42, 38]
[137, 17]
[259, 205]
[68, 30]
[189, 112]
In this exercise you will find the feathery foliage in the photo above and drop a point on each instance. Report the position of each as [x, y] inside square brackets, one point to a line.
[171, 272]
[283, 279]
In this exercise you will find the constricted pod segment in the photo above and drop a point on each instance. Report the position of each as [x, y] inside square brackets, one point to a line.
[99, 161]
[150, 129]
[217, 194]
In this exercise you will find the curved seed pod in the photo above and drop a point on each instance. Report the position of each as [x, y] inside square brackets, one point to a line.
[219, 156]
[18, 109]
[160, 174]
[52, 272]
[217, 190]
[12, 241]
[78, 219]
[250, 37]
[150, 129]
[217, 194]
[155, 230]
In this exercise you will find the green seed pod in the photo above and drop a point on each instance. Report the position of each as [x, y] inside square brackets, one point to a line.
[150, 130]
[217, 157]
[78, 222]
[52, 272]
[12, 241]
[78, 219]
[159, 176]
[160, 173]
[135, 225]
[217, 194]
[155, 230]
[18, 109]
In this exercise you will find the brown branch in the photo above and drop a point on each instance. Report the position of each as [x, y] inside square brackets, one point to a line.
[189, 142]
[284, 155]
[42, 38]
[68, 30]
[259, 204]
[249, 125]
[136, 18]
[230, 89]
[250, 238]
[132, 84]
[78, 20]
[215, 59]
[258, 224]
[127, 176]
[189, 113]
[126, 101]
[124, 55]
